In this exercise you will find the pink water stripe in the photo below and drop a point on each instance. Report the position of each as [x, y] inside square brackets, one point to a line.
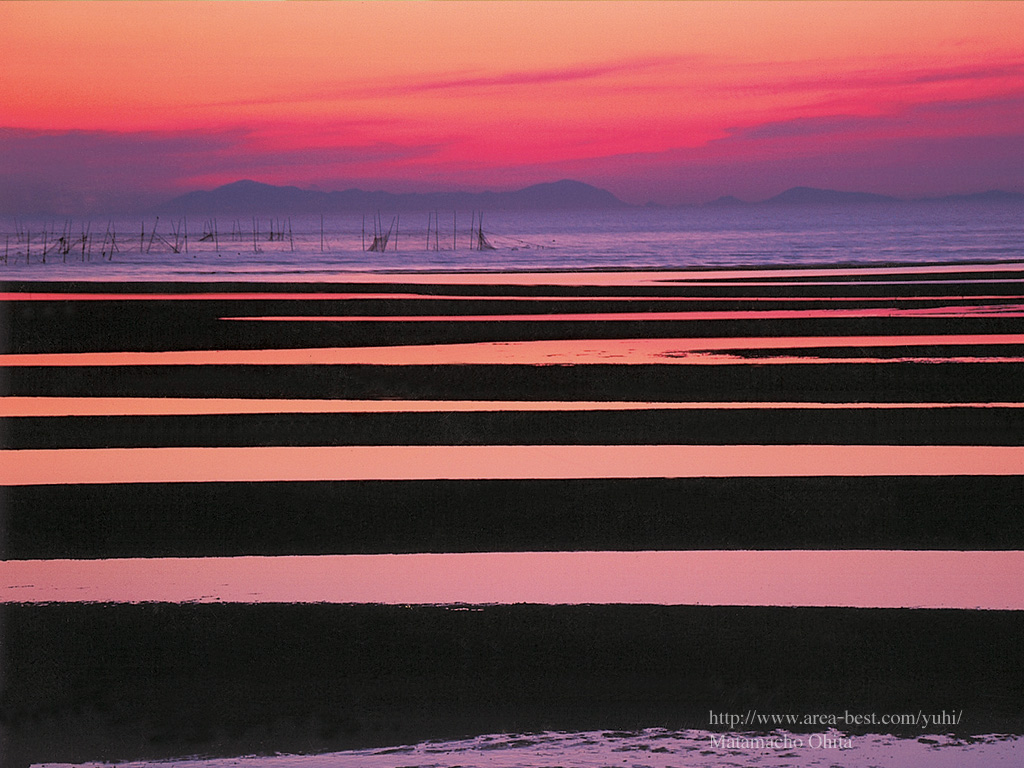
[730, 277]
[558, 352]
[1001, 310]
[845, 578]
[186, 406]
[335, 296]
[496, 462]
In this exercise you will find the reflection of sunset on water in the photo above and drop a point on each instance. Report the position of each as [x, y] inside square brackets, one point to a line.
[1010, 310]
[497, 297]
[525, 462]
[644, 351]
[846, 578]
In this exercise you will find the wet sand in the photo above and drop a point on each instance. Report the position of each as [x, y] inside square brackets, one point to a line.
[295, 518]
[116, 681]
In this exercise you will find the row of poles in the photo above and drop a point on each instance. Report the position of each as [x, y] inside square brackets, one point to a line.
[50, 243]
[477, 240]
[63, 243]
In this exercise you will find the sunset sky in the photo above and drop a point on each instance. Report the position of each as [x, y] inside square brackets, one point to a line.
[109, 105]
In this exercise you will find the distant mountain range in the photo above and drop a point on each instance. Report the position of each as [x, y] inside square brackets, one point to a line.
[809, 196]
[248, 197]
[814, 196]
[252, 197]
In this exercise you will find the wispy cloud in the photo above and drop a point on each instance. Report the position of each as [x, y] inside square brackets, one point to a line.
[635, 122]
[840, 76]
[971, 115]
[459, 82]
[524, 78]
[99, 171]
[969, 72]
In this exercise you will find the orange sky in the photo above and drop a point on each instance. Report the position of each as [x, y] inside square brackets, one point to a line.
[667, 101]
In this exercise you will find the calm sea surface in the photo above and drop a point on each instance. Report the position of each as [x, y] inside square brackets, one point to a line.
[241, 247]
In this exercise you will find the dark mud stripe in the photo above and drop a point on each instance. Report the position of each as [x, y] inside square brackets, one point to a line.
[106, 682]
[833, 382]
[319, 293]
[35, 407]
[154, 326]
[942, 426]
[278, 518]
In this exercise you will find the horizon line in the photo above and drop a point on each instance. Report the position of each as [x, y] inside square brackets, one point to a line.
[787, 198]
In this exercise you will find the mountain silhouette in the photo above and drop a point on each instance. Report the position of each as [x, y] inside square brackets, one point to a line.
[253, 197]
[814, 196]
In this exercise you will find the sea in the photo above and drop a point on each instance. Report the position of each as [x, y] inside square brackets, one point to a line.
[312, 248]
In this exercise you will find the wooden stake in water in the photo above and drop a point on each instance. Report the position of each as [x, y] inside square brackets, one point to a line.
[321, 233]
[397, 221]
[455, 228]
[185, 218]
[291, 238]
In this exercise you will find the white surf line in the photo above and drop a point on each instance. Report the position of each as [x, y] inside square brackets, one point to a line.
[660, 747]
[840, 578]
[642, 351]
[189, 406]
[966, 310]
[67, 466]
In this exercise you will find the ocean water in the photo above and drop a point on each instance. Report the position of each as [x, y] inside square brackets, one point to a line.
[634, 238]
